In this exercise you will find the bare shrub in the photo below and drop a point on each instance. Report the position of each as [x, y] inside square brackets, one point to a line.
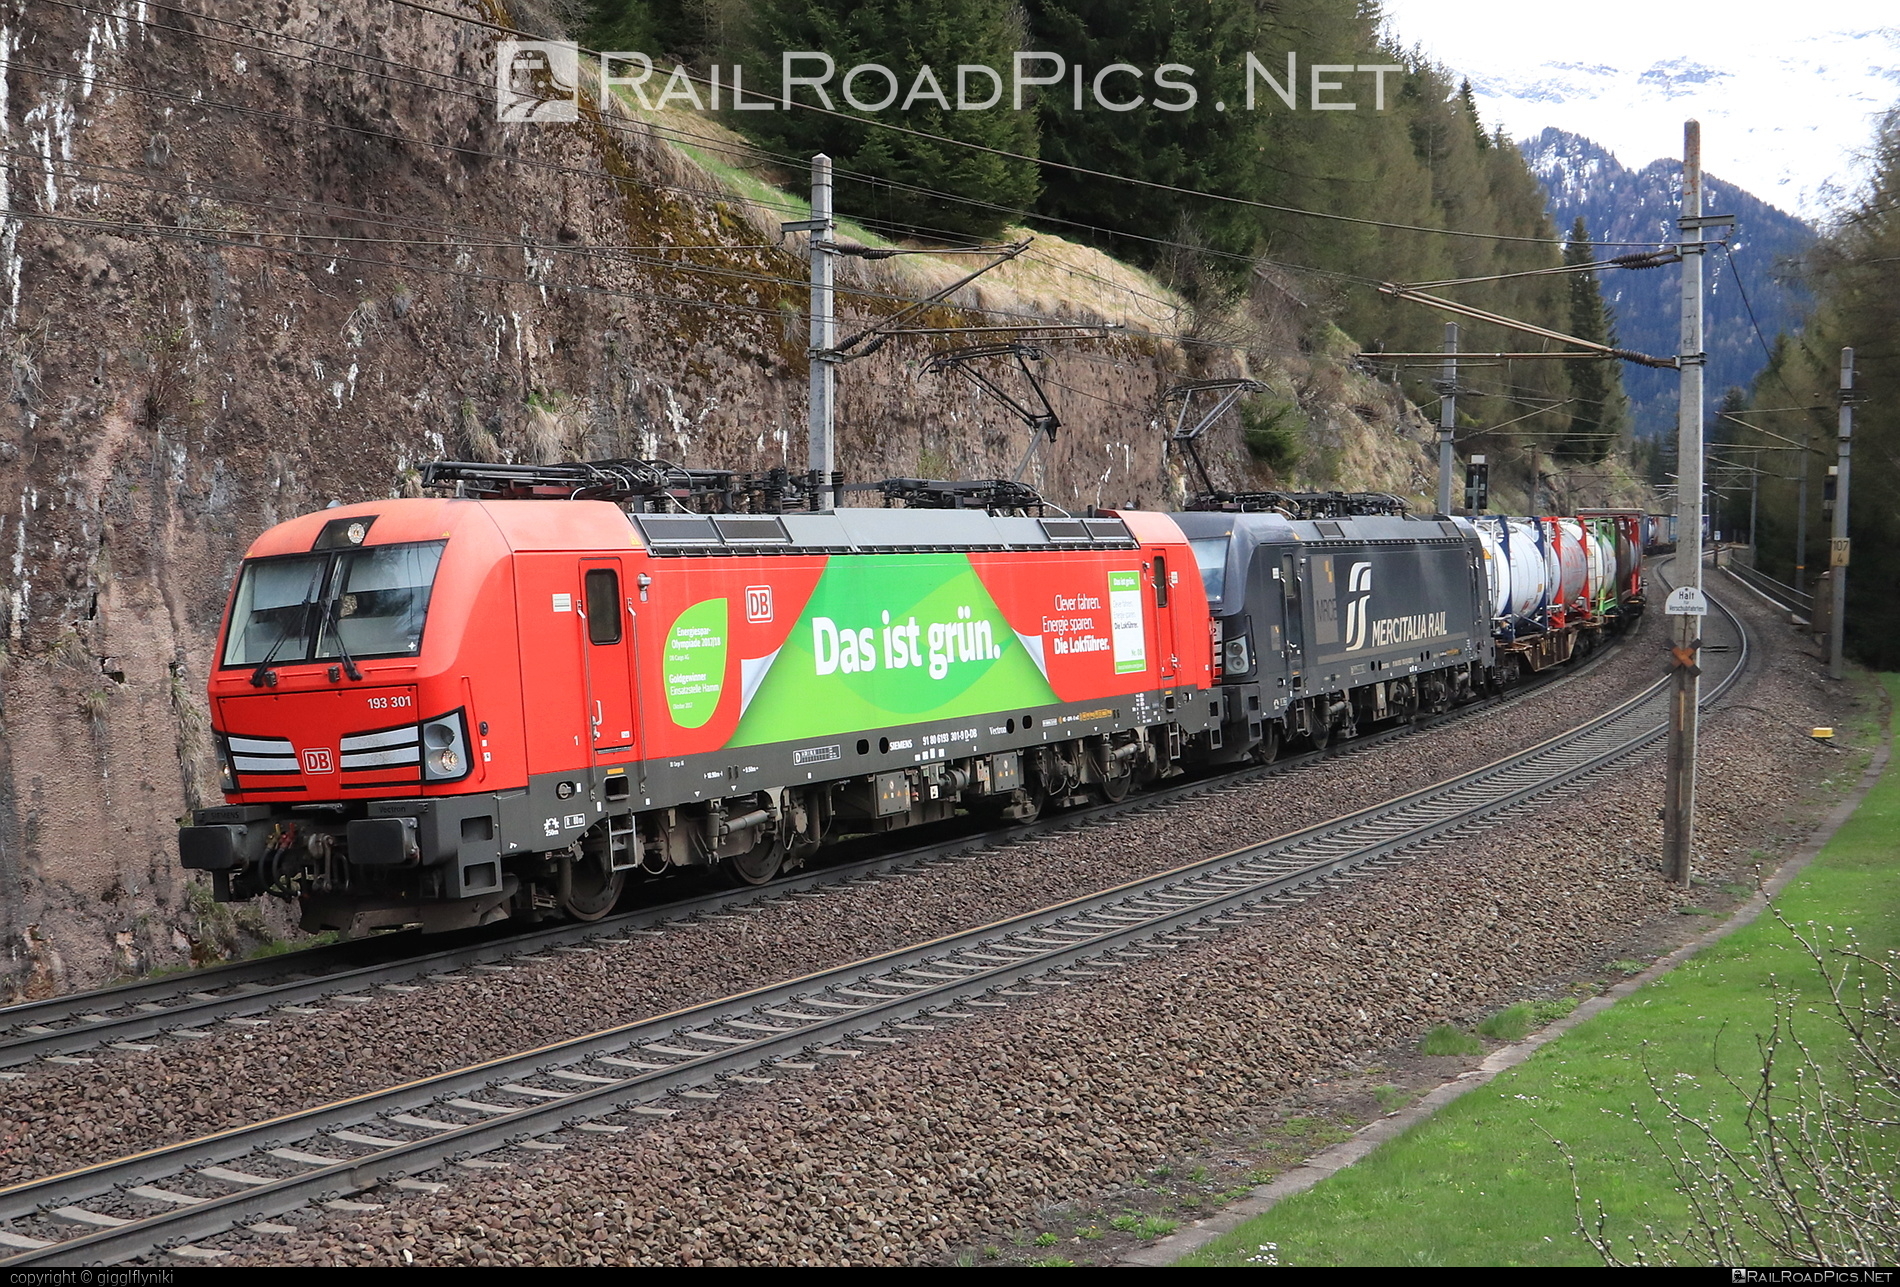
[1806, 1174]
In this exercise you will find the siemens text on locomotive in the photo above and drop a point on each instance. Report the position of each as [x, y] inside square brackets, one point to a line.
[453, 711]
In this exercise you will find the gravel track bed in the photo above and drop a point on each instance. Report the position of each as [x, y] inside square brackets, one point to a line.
[63, 1116]
[956, 1137]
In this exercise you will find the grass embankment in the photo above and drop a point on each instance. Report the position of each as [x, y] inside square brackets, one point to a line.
[1482, 1184]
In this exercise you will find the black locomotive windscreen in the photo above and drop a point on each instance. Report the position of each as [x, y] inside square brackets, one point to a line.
[367, 602]
[1210, 553]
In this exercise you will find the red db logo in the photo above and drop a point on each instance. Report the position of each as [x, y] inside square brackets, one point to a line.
[758, 603]
[317, 760]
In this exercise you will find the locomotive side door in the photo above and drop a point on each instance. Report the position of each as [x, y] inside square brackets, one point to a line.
[1166, 659]
[1290, 568]
[608, 646]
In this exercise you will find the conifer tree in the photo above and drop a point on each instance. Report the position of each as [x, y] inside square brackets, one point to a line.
[878, 169]
[1596, 386]
[1200, 147]
[1855, 278]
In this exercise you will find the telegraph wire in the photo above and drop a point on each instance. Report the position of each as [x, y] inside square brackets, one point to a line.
[1074, 169]
[696, 193]
[746, 150]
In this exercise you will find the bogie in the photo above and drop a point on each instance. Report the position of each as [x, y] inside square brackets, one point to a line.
[547, 700]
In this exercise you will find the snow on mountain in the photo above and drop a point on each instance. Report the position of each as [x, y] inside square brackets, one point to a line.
[1788, 102]
[1581, 177]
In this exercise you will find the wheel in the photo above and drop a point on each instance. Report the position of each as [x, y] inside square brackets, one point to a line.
[1322, 736]
[756, 866]
[1268, 749]
[1115, 790]
[588, 890]
[1034, 800]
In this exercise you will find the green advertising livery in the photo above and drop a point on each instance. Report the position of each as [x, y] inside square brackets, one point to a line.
[890, 639]
[696, 663]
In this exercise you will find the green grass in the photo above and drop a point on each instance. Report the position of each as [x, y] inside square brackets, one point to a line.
[1482, 1184]
[1514, 1023]
[1447, 1040]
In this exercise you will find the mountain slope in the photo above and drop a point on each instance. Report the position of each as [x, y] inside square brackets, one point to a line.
[1623, 205]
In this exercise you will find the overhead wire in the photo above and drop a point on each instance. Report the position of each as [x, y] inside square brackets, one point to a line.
[478, 93]
[1060, 165]
[690, 140]
[748, 151]
[204, 236]
[58, 74]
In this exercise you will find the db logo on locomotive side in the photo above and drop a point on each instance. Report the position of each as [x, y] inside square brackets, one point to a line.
[317, 760]
[758, 603]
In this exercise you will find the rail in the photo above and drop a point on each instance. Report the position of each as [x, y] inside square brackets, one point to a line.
[129, 1016]
[1798, 603]
[115, 1210]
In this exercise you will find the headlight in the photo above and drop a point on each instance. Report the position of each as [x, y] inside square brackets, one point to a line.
[1234, 656]
[227, 776]
[445, 748]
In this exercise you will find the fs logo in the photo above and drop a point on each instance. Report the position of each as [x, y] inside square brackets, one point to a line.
[758, 603]
[317, 760]
[537, 80]
[1358, 582]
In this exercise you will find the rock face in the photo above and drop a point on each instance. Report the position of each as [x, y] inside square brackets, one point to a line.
[255, 264]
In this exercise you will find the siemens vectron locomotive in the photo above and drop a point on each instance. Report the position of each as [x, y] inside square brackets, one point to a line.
[506, 702]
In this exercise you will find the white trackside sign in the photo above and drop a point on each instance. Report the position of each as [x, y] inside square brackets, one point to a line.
[1686, 601]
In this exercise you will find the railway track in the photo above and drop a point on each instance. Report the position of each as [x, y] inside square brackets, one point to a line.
[333, 1154]
[131, 1018]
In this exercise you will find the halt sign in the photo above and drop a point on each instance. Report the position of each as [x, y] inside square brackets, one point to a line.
[1686, 601]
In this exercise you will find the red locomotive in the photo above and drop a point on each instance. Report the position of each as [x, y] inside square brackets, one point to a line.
[452, 711]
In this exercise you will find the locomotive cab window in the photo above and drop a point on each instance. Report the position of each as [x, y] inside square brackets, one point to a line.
[1211, 554]
[603, 606]
[381, 596]
[370, 601]
[1161, 580]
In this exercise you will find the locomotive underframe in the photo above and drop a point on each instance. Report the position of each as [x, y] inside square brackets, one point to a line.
[566, 843]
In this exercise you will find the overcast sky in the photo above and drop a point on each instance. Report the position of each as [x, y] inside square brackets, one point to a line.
[1788, 93]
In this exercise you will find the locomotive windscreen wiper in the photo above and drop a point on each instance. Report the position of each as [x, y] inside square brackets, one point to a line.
[301, 618]
[342, 649]
[259, 677]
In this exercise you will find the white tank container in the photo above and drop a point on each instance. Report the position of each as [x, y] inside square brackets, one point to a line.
[1497, 571]
[1519, 590]
[1530, 573]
